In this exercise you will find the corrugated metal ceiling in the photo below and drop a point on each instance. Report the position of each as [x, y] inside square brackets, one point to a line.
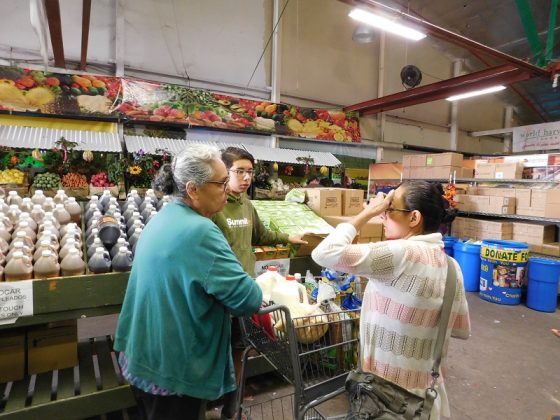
[151, 144]
[44, 138]
[290, 156]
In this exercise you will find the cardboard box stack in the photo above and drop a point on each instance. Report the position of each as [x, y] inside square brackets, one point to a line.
[352, 201]
[370, 232]
[325, 201]
[464, 227]
[536, 235]
[485, 204]
[52, 346]
[435, 166]
[498, 170]
[538, 202]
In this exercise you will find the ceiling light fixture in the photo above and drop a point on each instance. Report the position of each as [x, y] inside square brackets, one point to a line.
[385, 24]
[476, 93]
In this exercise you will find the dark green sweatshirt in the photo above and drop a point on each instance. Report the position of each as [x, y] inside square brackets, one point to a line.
[242, 228]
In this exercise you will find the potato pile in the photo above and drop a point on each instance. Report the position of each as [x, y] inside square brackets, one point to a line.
[74, 180]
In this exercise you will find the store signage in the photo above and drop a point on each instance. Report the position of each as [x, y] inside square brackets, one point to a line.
[536, 137]
[16, 299]
[122, 99]
[283, 266]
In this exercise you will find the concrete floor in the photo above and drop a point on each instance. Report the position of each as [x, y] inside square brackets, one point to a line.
[508, 369]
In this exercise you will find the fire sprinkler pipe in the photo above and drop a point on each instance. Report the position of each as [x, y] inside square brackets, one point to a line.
[451, 37]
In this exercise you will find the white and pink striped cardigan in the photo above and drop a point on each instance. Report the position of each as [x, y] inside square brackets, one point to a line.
[401, 306]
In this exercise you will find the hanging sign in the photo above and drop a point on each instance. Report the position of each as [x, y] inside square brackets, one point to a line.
[536, 137]
[16, 299]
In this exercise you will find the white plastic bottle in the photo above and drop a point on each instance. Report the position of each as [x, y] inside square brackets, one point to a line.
[268, 280]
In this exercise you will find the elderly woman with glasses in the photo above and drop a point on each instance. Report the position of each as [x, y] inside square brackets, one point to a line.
[174, 328]
[407, 276]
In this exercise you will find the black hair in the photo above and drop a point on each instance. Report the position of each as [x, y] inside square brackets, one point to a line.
[163, 180]
[232, 154]
[427, 198]
[326, 182]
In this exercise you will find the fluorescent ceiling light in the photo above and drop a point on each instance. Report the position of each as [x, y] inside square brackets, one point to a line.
[386, 24]
[476, 93]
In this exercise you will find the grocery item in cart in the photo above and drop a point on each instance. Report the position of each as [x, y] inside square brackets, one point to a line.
[310, 323]
[73, 264]
[18, 268]
[46, 266]
[289, 293]
[268, 280]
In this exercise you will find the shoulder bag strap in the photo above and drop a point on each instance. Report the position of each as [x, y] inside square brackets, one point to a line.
[448, 297]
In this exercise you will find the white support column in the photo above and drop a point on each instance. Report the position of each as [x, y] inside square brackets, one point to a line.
[275, 70]
[379, 154]
[508, 138]
[454, 125]
[119, 37]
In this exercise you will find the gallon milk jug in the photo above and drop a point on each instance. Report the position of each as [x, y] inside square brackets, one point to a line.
[289, 293]
[18, 268]
[73, 264]
[46, 266]
[100, 262]
[268, 280]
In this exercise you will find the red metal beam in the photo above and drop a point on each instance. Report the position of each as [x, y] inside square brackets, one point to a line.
[523, 97]
[52, 8]
[86, 14]
[451, 37]
[504, 74]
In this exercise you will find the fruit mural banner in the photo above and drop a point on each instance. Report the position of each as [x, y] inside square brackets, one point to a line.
[35, 91]
[114, 98]
[147, 101]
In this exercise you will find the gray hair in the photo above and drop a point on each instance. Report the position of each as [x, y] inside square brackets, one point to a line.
[192, 164]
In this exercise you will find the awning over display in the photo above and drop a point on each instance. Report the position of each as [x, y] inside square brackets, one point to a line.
[45, 138]
[269, 154]
[150, 144]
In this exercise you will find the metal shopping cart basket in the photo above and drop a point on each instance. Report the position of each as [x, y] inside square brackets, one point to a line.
[313, 353]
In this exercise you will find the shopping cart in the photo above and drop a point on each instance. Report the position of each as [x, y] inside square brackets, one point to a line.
[313, 353]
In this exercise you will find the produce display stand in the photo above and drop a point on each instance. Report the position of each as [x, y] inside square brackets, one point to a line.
[95, 386]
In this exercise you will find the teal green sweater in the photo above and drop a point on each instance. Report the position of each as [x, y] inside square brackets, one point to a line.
[175, 323]
[242, 228]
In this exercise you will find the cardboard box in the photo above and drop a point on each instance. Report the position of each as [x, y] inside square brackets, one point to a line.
[417, 161]
[406, 161]
[12, 355]
[269, 252]
[443, 172]
[552, 249]
[417, 173]
[259, 253]
[352, 201]
[312, 239]
[466, 173]
[485, 171]
[501, 192]
[325, 201]
[52, 346]
[469, 164]
[406, 173]
[446, 159]
[373, 228]
[535, 248]
[508, 170]
[282, 251]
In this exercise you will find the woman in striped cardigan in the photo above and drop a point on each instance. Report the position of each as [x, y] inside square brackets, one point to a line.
[407, 274]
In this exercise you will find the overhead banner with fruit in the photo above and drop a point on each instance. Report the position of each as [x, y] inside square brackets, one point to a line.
[159, 102]
[114, 98]
[23, 90]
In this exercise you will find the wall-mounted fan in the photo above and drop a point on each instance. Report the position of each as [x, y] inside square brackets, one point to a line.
[411, 76]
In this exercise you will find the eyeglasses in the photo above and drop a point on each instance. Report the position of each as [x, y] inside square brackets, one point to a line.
[242, 172]
[391, 209]
[223, 183]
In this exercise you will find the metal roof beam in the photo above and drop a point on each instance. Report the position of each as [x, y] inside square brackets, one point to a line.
[52, 8]
[86, 14]
[505, 74]
[550, 36]
[530, 30]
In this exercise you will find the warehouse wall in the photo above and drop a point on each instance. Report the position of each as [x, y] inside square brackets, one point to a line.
[221, 41]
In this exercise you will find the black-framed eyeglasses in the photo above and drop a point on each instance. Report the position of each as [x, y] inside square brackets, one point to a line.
[391, 209]
[242, 172]
[223, 183]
